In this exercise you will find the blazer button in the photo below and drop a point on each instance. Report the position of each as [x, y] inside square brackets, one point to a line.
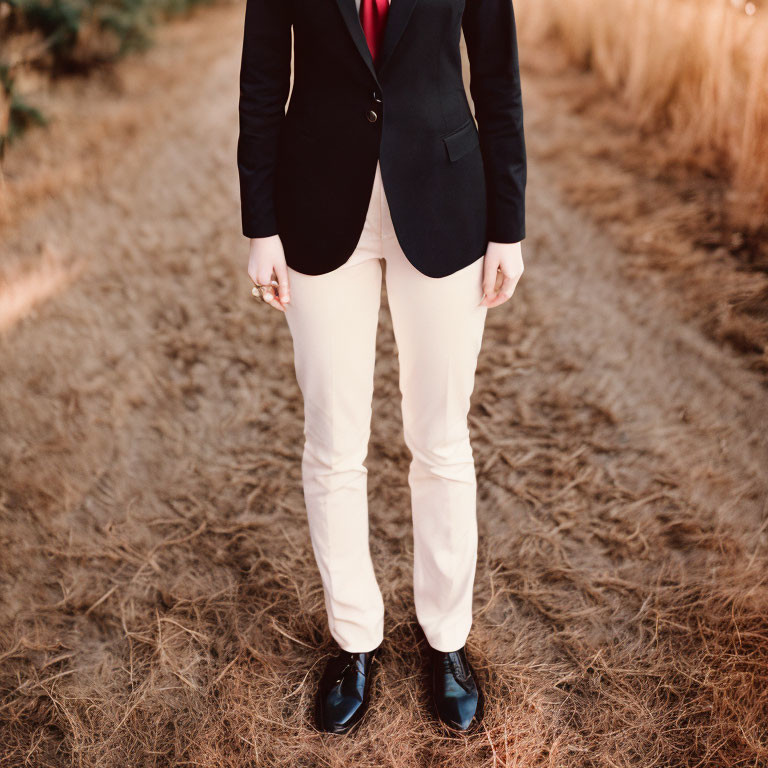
[372, 116]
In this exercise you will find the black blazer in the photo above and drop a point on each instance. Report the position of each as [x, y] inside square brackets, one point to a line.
[307, 174]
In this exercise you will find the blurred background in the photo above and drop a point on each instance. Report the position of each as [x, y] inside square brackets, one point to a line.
[159, 601]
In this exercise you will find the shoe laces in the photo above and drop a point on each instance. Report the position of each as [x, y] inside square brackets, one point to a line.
[454, 663]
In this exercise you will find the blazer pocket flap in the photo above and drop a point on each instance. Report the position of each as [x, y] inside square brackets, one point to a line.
[464, 139]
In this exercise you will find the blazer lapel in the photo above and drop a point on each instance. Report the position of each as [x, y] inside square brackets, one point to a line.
[352, 20]
[397, 18]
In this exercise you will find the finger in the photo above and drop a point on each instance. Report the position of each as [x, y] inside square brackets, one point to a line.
[490, 270]
[272, 299]
[281, 271]
[491, 294]
[264, 277]
[506, 290]
[501, 295]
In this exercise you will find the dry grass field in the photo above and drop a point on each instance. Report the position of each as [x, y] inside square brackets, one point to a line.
[692, 73]
[159, 602]
[658, 127]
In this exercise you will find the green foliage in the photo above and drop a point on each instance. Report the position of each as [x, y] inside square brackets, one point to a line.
[57, 20]
[129, 22]
[80, 34]
[20, 114]
[76, 36]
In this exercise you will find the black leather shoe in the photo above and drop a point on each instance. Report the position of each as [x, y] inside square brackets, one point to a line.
[456, 695]
[344, 691]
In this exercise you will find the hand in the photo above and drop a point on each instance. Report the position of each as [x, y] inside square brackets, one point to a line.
[267, 256]
[498, 286]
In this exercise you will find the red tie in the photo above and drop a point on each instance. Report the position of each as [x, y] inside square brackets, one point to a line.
[373, 14]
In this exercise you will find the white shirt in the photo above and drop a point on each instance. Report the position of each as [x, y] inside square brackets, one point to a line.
[357, 3]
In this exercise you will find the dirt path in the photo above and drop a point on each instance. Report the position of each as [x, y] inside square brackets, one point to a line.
[160, 601]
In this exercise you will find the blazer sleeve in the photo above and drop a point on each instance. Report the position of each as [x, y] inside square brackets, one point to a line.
[491, 39]
[265, 76]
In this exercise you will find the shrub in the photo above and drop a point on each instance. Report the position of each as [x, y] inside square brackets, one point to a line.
[64, 37]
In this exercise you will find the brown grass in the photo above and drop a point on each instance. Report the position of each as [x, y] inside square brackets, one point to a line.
[160, 605]
[650, 172]
[692, 73]
[614, 624]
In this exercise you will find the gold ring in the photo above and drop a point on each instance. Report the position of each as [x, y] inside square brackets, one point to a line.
[258, 288]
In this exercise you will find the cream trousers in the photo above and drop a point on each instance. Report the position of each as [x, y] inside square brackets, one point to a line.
[438, 325]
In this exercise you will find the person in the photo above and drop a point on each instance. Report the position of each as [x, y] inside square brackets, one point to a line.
[378, 167]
